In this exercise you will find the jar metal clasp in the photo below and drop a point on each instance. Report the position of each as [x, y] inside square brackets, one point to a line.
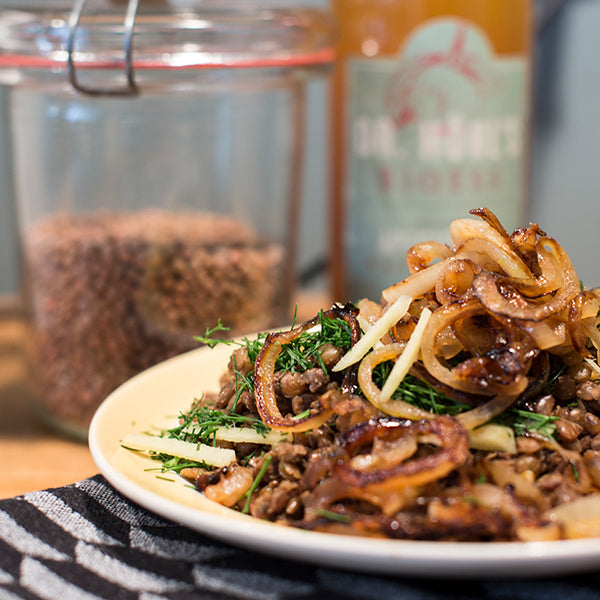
[130, 88]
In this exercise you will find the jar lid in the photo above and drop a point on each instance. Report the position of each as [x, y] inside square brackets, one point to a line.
[138, 35]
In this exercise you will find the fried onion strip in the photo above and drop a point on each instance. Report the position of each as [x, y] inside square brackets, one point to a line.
[475, 382]
[502, 298]
[444, 432]
[264, 377]
[415, 285]
[422, 255]
[394, 408]
[581, 322]
[486, 412]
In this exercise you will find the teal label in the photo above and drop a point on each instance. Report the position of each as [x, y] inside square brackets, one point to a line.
[434, 132]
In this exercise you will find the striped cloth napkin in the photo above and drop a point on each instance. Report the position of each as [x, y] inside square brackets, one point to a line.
[88, 542]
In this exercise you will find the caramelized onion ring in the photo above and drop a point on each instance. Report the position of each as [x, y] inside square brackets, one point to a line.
[505, 260]
[422, 255]
[471, 376]
[455, 280]
[264, 376]
[395, 408]
[581, 316]
[444, 432]
[500, 296]
[462, 230]
[333, 489]
[489, 240]
[492, 220]
[416, 285]
[550, 333]
[482, 414]
[420, 372]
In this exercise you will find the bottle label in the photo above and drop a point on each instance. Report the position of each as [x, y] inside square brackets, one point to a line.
[433, 133]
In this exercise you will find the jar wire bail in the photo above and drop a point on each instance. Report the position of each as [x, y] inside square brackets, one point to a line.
[130, 88]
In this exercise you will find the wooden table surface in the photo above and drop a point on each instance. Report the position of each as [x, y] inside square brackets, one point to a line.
[33, 456]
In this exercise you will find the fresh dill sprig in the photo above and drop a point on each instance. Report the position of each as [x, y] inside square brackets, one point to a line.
[298, 355]
[305, 351]
[426, 397]
[575, 470]
[250, 456]
[253, 346]
[419, 393]
[333, 516]
[524, 421]
[256, 483]
[242, 383]
[208, 338]
[175, 464]
[303, 415]
[200, 424]
[555, 374]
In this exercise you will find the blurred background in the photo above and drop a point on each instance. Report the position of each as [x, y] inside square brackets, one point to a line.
[565, 174]
[566, 128]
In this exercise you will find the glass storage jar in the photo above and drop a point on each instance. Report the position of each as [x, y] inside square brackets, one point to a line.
[157, 154]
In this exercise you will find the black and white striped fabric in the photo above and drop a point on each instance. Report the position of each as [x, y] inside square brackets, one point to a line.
[88, 542]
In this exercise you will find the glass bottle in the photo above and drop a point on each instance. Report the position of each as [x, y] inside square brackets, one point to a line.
[430, 118]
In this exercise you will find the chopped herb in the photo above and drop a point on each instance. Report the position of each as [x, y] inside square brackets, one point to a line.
[523, 421]
[556, 370]
[256, 483]
[426, 397]
[295, 317]
[305, 351]
[471, 500]
[298, 355]
[302, 415]
[131, 449]
[333, 516]
[198, 426]
[209, 340]
[252, 454]
[176, 464]
[201, 422]
[242, 383]
[254, 346]
[419, 393]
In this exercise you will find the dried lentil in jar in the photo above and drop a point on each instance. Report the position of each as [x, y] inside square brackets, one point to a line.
[113, 294]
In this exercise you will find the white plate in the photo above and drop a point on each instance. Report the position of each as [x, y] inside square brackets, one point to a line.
[154, 397]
